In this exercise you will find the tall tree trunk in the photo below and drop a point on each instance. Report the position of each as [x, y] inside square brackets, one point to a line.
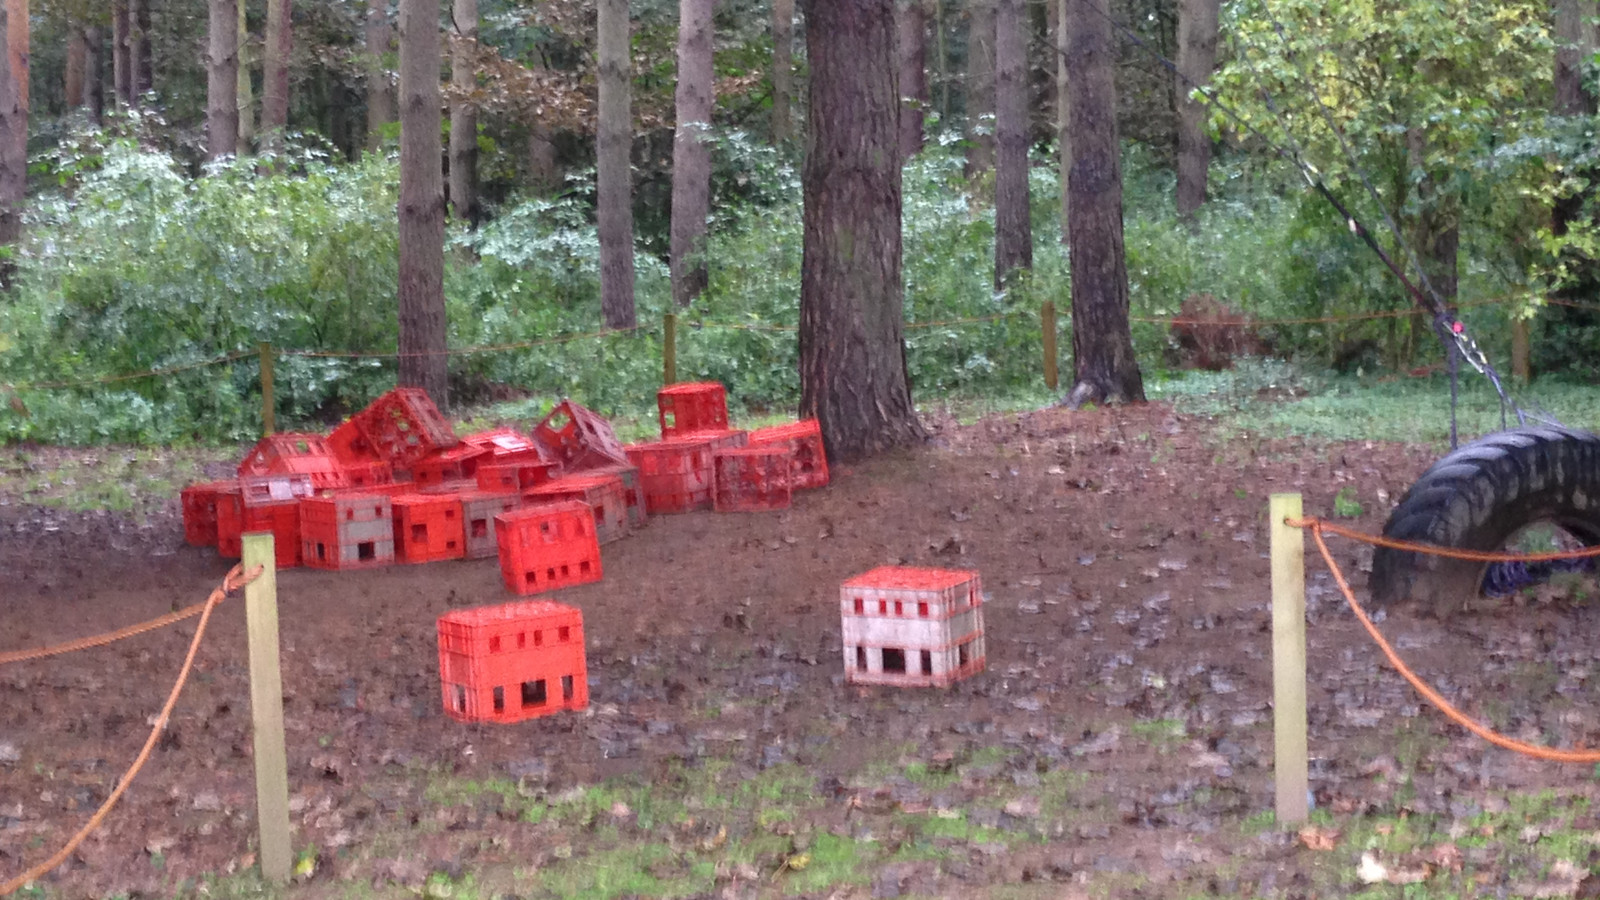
[95, 71]
[464, 111]
[543, 175]
[1575, 43]
[17, 51]
[380, 89]
[246, 95]
[782, 70]
[691, 155]
[1013, 227]
[1063, 118]
[1104, 368]
[914, 97]
[275, 49]
[139, 55]
[613, 170]
[121, 57]
[423, 362]
[222, 80]
[980, 86]
[942, 64]
[1197, 57]
[853, 376]
[13, 135]
[77, 60]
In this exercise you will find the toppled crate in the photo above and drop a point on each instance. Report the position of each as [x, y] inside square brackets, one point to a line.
[912, 627]
[478, 512]
[200, 511]
[506, 445]
[515, 476]
[578, 438]
[294, 453]
[547, 547]
[675, 475]
[719, 439]
[348, 531]
[633, 494]
[602, 491]
[230, 521]
[692, 406]
[513, 661]
[440, 466]
[403, 426]
[427, 527]
[804, 440]
[751, 479]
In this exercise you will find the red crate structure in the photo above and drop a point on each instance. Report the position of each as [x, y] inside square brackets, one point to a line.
[804, 440]
[347, 531]
[547, 547]
[719, 439]
[578, 438]
[515, 476]
[513, 661]
[427, 527]
[604, 493]
[675, 475]
[751, 479]
[350, 446]
[230, 521]
[200, 511]
[912, 627]
[272, 503]
[478, 512]
[692, 406]
[633, 494]
[403, 426]
[456, 464]
[295, 453]
[506, 445]
[367, 474]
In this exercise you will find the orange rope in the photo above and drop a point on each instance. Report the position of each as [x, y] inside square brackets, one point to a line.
[109, 379]
[100, 640]
[1437, 550]
[234, 580]
[1428, 693]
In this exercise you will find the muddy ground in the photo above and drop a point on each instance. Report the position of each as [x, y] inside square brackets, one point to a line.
[1119, 744]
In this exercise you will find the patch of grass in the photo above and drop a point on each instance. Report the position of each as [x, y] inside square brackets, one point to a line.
[1161, 733]
[645, 870]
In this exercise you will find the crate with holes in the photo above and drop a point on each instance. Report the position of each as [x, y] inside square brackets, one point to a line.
[200, 511]
[512, 662]
[675, 475]
[478, 512]
[751, 479]
[546, 547]
[603, 491]
[912, 627]
[427, 527]
[578, 438]
[294, 453]
[347, 531]
[692, 406]
[804, 440]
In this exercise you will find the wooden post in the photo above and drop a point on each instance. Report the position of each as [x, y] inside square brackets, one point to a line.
[1047, 321]
[1519, 350]
[266, 709]
[269, 422]
[669, 348]
[1290, 767]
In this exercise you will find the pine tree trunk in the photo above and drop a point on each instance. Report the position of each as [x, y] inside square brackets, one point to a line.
[222, 80]
[914, 97]
[691, 155]
[423, 362]
[980, 86]
[13, 137]
[77, 60]
[121, 57]
[1575, 43]
[246, 95]
[94, 71]
[853, 376]
[1197, 57]
[543, 177]
[942, 64]
[17, 50]
[613, 170]
[275, 49]
[1104, 368]
[1063, 118]
[1013, 227]
[139, 55]
[782, 70]
[380, 89]
[464, 112]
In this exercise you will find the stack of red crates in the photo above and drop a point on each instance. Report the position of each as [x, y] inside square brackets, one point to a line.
[294, 453]
[675, 475]
[803, 440]
[602, 491]
[348, 531]
[427, 527]
[512, 661]
[546, 547]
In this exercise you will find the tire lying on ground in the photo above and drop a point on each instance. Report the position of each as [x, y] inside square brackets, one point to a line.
[1477, 497]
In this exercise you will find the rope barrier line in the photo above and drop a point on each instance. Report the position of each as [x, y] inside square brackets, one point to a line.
[111, 379]
[1536, 751]
[460, 351]
[234, 580]
[100, 640]
[1311, 522]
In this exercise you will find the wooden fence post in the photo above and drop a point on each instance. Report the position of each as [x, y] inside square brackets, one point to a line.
[1290, 767]
[269, 406]
[669, 348]
[266, 709]
[1047, 321]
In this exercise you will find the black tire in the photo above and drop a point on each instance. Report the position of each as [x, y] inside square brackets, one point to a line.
[1479, 496]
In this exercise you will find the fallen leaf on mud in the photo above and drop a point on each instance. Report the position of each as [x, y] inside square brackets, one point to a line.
[1055, 470]
[1563, 881]
[1172, 565]
[1104, 742]
[620, 810]
[159, 845]
[1446, 856]
[1318, 838]
[1209, 760]
[1023, 808]
[716, 841]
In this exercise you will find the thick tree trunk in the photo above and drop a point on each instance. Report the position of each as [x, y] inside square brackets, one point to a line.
[914, 97]
[17, 52]
[222, 80]
[94, 86]
[139, 55]
[980, 86]
[13, 137]
[1104, 368]
[1013, 227]
[275, 49]
[613, 169]
[380, 89]
[1575, 43]
[941, 65]
[246, 94]
[1063, 118]
[1197, 57]
[853, 376]
[423, 362]
[464, 112]
[77, 61]
[543, 175]
[782, 70]
[121, 57]
[691, 155]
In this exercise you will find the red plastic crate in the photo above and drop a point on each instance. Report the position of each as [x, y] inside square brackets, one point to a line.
[368, 474]
[804, 439]
[478, 512]
[427, 527]
[912, 627]
[294, 453]
[348, 531]
[230, 521]
[512, 662]
[676, 475]
[692, 406]
[282, 518]
[578, 438]
[547, 547]
[633, 495]
[265, 489]
[200, 511]
[604, 493]
[516, 476]
[351, 447]
[506, 445]
[457, 463]
[719, 439]
[751, 479]
[403, 426]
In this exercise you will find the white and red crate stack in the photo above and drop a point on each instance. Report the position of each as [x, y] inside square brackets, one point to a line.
[912, 627]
